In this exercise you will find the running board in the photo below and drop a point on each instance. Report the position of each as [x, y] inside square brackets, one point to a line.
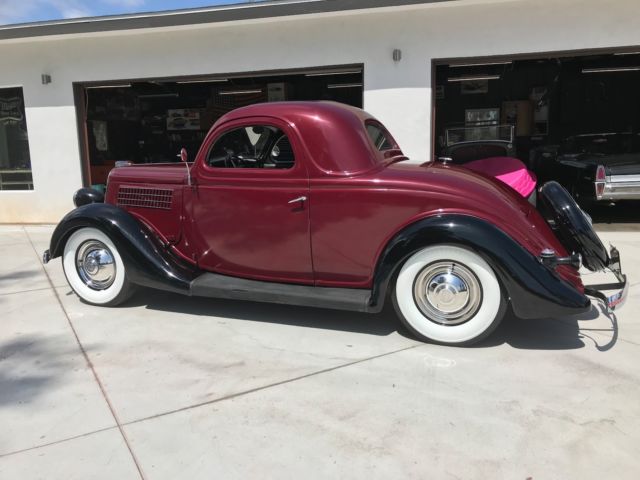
[222, 286]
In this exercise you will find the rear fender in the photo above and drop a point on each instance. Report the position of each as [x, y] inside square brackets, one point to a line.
[147, 261]
[535, 290]
[571, 226]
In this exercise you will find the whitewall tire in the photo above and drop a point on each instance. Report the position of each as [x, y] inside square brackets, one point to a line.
[94, 268]
[448, 295]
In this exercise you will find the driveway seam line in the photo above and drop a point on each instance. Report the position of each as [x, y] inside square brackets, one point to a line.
[271, 385]
[89, 363]
[29, 291]
[56, 442]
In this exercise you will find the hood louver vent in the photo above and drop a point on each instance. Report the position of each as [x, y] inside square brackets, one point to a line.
[145, 197]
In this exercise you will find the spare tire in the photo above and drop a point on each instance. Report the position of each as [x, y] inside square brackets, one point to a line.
[572, 226]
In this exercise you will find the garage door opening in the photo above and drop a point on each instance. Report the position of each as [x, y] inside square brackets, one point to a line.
[571, 118]
[150, 120]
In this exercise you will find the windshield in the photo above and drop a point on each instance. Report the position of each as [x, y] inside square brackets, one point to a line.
[604, 144]
[489, 133]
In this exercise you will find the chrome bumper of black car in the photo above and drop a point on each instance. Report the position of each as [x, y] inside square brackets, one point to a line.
[621, 287]
[619, 188]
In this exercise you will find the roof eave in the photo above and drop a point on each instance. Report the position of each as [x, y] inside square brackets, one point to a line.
[198, 16]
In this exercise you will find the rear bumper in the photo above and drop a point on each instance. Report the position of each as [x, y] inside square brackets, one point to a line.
[618, 291]
[621, 188]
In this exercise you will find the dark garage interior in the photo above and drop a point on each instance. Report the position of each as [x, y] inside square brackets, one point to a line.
[550, 106]
[149, 121]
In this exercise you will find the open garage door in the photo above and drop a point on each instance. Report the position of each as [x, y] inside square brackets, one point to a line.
[150, 120]
[572, 118]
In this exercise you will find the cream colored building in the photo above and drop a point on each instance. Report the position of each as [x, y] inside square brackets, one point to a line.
[392, 48]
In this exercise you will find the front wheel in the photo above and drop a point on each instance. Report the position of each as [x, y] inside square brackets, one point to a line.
[448, 295]
[94, 268]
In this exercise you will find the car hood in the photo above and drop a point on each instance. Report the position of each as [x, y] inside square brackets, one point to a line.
[158, 173]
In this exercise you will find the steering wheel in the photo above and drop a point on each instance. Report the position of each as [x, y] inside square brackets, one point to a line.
[228, 159]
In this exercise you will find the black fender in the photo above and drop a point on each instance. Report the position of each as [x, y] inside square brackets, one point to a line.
[535, 290]
[147, 261]
[571, 225]
[85, 196]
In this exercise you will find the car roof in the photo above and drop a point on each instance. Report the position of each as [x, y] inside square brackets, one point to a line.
[333, 133]
[298, 110]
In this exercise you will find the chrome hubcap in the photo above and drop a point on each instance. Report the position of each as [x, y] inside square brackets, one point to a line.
[447, 293]
[96, 265]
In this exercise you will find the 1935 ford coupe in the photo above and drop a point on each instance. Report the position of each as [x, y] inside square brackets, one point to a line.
[313, 203]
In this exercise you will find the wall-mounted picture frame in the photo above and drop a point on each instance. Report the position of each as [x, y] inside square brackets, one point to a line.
[481, 117]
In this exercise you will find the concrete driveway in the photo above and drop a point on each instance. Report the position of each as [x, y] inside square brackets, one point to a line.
[170, 387]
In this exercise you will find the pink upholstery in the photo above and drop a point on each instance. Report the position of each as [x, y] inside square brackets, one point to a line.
[508, 170]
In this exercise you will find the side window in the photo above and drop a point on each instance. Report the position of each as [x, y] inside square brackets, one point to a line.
[256, 146]
[15, 161]
[380, 137]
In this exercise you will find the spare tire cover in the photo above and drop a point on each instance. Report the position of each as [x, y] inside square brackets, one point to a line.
[572, 225]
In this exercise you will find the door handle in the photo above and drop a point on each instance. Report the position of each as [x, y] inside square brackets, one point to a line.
[299, 199]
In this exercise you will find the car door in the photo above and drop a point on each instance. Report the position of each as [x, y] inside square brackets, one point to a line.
[250, 215]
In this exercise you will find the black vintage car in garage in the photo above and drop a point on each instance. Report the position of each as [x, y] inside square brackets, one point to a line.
[600, 167]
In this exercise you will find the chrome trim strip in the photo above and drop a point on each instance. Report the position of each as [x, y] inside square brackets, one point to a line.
[620, 191]
[634, 178]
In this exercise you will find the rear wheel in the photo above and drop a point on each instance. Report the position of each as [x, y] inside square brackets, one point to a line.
[448, 295]
[94, 268]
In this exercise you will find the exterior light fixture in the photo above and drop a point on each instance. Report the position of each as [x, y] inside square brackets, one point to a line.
[397, 55]
[46, 78]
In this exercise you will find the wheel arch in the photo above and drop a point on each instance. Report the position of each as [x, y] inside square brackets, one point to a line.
[147, 261]
[535, 291]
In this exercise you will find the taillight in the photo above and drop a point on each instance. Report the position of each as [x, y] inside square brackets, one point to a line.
[601, 178]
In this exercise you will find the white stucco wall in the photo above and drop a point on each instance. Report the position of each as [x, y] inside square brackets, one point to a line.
[399, 94]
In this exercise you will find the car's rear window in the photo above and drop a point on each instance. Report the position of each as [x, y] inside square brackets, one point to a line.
[380, 138]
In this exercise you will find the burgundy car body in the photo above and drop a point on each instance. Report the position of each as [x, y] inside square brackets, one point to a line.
[237, 221]
[335, 228]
